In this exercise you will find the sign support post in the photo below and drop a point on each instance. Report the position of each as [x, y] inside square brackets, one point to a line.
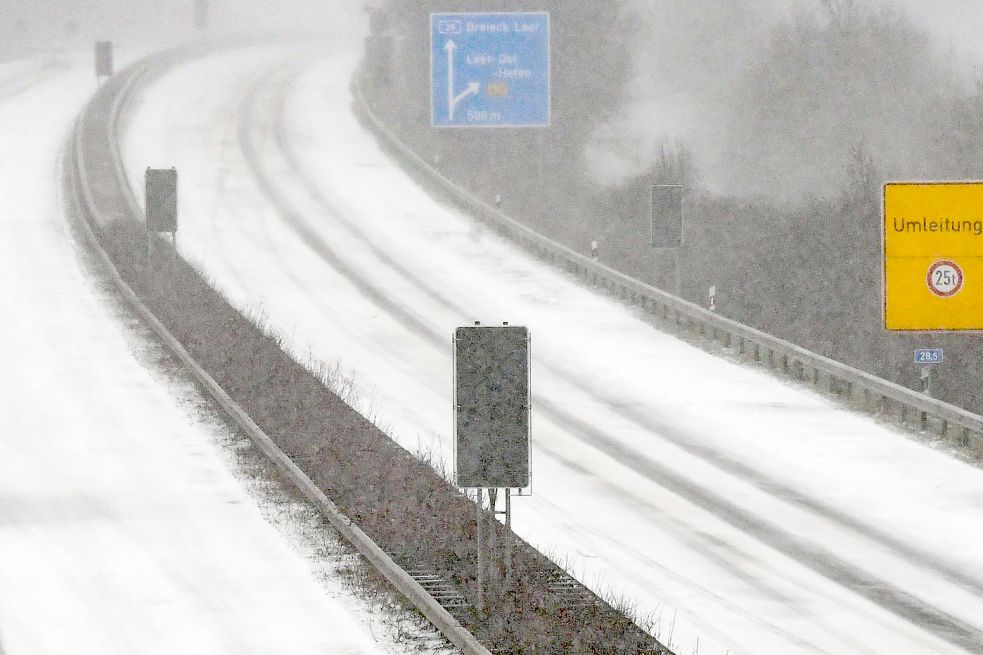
[508, 537]
[481, 564]
[492, 541]
[927, 379]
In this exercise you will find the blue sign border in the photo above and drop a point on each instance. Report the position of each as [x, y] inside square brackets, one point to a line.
[547, 82]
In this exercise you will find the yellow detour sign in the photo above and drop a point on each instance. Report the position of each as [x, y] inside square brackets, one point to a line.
[933, 256]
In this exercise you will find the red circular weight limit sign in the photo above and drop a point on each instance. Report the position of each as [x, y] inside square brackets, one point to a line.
[945, 278]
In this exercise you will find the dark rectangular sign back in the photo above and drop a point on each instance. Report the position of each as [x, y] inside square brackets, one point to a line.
[161, 206]
[104, 58]
[667, 215]
[491, 400]
[201, 14]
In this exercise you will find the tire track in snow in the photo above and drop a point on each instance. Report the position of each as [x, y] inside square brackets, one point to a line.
[815, 557]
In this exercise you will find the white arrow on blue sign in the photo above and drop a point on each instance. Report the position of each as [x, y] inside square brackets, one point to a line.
[490, 69]
[928, 356]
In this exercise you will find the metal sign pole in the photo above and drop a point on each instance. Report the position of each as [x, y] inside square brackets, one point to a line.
[508, 537]
[481, 563]
[493, 570]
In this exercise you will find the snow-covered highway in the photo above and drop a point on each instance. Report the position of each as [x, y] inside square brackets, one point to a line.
[123, 527]
[747, 514]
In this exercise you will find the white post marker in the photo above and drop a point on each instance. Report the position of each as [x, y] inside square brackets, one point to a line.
[928, 358]
[712, 296]
[945, 278]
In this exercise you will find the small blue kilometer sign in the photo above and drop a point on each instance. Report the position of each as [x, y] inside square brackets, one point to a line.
[928, 356]
[490, 69]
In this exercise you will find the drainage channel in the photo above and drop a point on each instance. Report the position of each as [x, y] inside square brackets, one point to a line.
[441, 590]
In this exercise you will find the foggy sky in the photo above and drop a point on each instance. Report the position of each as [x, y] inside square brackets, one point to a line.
[687, 55]
[27, 24]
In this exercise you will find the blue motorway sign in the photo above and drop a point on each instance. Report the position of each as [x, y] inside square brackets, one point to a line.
[928, 356]
[490, 69]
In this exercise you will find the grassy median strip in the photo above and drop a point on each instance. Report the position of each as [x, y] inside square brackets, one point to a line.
[396, 498]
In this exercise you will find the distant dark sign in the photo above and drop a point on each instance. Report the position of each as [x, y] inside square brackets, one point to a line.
[201, 14]
[378, 57]
[667, 215]
[161, 205]
[104, 58]
[378, 21]
[491, 402]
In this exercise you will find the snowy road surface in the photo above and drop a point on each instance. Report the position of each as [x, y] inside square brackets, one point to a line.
[121, 530]
[747, 514]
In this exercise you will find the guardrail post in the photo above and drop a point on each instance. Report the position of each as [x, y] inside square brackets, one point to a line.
[974, 441]
[922, 420]
[901, 414]
[951, 433]
[858, 395]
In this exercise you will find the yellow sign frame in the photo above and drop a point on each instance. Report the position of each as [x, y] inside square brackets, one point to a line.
[932, 256]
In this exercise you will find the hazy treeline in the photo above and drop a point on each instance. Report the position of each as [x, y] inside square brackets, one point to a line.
[826, 111]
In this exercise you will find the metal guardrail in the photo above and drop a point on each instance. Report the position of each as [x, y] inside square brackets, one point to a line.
[866, 392]
[89, 201]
